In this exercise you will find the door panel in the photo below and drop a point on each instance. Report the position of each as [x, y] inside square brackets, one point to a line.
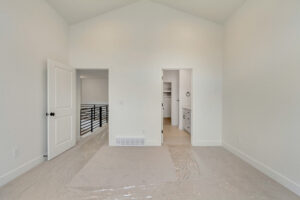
[63, 128]
[61, 105]
[63, 88]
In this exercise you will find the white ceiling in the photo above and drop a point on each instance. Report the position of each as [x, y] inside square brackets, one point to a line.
[78, 10]
[214, 10]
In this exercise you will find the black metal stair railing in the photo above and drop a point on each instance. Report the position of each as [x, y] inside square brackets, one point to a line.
[92, 116]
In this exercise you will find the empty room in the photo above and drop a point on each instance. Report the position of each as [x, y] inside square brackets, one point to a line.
[149, 99]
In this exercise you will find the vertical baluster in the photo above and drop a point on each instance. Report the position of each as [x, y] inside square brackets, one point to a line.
[106, 107]
[92, 119]
[80, 120]
[94, 114]
[100, 116]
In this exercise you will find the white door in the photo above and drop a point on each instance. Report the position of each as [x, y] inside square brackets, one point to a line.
[61, 108]
[162, 107]
[167, 106]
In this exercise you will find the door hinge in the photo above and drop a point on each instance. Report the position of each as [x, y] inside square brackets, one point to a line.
[162, 131]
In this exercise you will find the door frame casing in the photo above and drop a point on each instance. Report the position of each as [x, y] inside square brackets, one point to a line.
[192, 99]
[78, 97]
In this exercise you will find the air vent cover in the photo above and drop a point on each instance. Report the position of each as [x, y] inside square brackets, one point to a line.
[130, 141]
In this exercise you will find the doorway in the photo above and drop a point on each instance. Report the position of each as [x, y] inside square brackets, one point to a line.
[66, 121]
[177, 106]
[92, 101]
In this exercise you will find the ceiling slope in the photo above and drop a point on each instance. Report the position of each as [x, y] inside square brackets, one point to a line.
[214, 10]
[75, 11]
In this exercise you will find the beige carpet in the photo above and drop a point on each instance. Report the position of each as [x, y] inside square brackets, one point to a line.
[202, 173]
[113, 167]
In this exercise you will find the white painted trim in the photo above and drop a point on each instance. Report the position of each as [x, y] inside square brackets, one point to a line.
[280, 178]
[193, 100]
[207, 143]
[14, 173]
[78, 104]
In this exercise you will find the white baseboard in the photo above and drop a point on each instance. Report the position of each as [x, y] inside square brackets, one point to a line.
[207, 143]
[14, 173]
[280, 178]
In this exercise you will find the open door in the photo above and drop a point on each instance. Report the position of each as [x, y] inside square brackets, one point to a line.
[61, 108]
[162, 107]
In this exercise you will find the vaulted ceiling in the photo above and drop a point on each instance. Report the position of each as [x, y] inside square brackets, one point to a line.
[78, 10]
[214, 10]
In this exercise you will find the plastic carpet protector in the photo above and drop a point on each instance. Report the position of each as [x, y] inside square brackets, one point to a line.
[208, 173]
[176, 171]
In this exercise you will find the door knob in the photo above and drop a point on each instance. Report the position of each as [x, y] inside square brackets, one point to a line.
[52, 114]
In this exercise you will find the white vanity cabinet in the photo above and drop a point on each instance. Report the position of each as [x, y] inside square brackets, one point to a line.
[187, 120]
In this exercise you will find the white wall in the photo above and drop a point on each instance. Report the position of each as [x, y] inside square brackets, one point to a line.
[94, 91]
[173, 77]
[30, 33]
[135, 43]
[261, 88]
